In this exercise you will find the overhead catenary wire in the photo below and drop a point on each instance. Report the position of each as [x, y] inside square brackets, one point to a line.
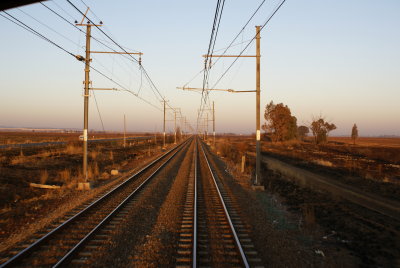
[33, 31]
[211, 45]
[26, 27]
[153, 86]
[79, 29]
[48, 27]
[237, 35]
[245, 48]
[231, 43]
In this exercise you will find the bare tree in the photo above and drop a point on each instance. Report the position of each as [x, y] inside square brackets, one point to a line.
[354, 133]
[320, 129]
[280, 123]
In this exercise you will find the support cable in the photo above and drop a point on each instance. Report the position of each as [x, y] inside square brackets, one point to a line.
[98, 111]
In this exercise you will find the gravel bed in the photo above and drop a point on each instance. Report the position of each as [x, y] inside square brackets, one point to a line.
[135, 234]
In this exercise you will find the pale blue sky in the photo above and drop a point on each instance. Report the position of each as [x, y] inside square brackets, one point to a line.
[337, 58]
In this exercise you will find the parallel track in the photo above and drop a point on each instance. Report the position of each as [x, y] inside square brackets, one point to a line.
[63, 244]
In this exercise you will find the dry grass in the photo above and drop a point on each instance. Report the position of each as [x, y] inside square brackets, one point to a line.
[94, 154]
[65, 175]
[323, 162]
[72, 149]
[18, 160]
[369, 141]
[93, 171]
[44, 176]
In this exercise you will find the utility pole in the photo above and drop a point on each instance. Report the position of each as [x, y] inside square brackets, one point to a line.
[87, 83]
[213, 124]
[206, 126]
[257, 182]
[164, 127]
[175, 126]
[124, 131]
[86, 96]
[258, 134]
[86, 103]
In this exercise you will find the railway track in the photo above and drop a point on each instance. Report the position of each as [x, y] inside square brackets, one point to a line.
[212, 232]
[73, 241]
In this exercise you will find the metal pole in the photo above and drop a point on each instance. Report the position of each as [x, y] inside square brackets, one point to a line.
[258, 134]
[124, 131]
[86, 104]
[214, 124]
[164, 127]
[175, 125]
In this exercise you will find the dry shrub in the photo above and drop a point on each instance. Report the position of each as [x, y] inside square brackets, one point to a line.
[93, 171]
[72, 149]
[44, 176]
[224, 149]
[45, 154]
[94, 154]
[242, 147]
[3, 159]
[323, 162]
[18, 160]
[65, 175]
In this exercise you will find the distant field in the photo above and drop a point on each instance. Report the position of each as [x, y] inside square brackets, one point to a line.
[33, 137]
[369, 141]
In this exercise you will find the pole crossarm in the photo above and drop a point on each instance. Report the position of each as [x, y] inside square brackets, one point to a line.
[92, 88]
[215, 89]
[88, 24]
[116, 52]
[230, 56]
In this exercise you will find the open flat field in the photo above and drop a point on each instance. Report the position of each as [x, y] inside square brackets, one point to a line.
[324, 186]
[22, 137]
[58, 165]
[369, 141]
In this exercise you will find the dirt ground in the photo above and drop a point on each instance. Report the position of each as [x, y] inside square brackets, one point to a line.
[371, 238]
[22, 206]
[373, 165]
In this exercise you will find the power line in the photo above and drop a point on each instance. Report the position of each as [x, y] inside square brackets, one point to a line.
[231, 44]
[262, 27]
[153, 87]
[101, 30]
[73, 25]
[124, 88]
[26, 27]
[48, 27]
[211, 45]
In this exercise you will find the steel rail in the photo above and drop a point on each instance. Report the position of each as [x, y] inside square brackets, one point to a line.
[237, 241]
[31, 248]
[67, 256]
[194, 251]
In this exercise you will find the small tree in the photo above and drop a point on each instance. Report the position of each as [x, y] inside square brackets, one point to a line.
[302, 132]
[354, 133]
[280, 123]
[320, 129]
